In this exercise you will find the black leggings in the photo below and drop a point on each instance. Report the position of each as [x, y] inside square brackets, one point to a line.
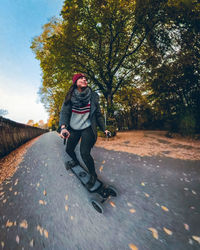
[87, 142]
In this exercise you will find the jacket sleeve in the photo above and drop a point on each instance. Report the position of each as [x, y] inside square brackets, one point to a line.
[99, 116]
[65, 114]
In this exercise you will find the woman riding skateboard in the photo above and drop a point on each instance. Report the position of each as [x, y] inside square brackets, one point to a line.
[80, 114]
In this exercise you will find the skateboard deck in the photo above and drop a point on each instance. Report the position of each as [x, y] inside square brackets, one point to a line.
[101, 192]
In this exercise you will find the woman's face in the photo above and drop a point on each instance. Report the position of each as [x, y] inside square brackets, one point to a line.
[81, 83]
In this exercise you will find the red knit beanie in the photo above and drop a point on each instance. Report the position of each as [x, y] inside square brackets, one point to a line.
[77, 76]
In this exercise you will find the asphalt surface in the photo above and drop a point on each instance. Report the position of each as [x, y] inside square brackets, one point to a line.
[43, 206]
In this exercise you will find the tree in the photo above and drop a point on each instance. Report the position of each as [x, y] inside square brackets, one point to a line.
[100, 38]
[30, 122]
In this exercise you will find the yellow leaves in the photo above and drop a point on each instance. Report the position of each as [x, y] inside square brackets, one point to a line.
[2, 244]
[112, 204]
[9, 223]
[132, 210]
[132, 247]
[197, 238]
[46, 234]
[165, 208]
[154, 232]
[147, 195]
[103, 162]
[24, 224]
[66, 208]
[16, 182]
[186, 227]
[40, 229]
[100, 169]
[17, 239]
[142, 184]
[31, 243]
[43, 231]
[45, 192]
[167, 231]
[41, 202]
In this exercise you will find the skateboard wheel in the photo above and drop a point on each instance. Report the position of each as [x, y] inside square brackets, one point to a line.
[112, 191]
[97, 206]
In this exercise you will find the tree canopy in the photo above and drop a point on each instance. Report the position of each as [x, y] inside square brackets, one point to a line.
[139, 46]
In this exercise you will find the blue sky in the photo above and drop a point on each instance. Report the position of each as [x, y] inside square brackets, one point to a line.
[20, 73]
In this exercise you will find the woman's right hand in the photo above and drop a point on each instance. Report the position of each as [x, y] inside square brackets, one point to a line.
[64, 131]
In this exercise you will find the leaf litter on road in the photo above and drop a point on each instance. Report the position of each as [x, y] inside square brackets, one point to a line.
[24, 224]
[132, 247]
[197, 238]
[186, 227]
[154, 232]
[17, 239]
[167, 231]
[165, 208]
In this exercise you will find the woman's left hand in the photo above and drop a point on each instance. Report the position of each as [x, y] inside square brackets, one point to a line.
[108, 133]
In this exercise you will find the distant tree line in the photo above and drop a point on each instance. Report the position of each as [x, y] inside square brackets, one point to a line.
[141, 56]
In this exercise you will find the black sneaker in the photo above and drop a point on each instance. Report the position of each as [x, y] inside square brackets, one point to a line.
[91, 181]
[70, 164]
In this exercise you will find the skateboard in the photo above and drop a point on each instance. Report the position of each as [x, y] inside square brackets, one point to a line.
[100, 191]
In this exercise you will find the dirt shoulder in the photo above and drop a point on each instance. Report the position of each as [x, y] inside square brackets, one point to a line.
[149, 143]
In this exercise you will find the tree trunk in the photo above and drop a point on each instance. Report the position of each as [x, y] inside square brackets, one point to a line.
[110, 108]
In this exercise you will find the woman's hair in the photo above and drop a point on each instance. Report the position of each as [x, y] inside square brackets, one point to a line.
[69, 93]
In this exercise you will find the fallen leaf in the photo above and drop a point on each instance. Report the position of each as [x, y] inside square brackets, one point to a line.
[15, 193]
[197, 238]
[142, 184]
[9, 223]
[194, 192]
[132, 247]
[147, 195]
[24, 224]
[66, 197]
[40, 229]
[112, 204]
[100, 169]
[31, 243]
[38, 184]
[167, 231]
[186, 227]
[46, 234]
[17, 239]
[129, 204]
[103, 162]
[1, 193]
[15, 223]
[42, 202]
[72, 217]
[154, 232]
[10, 189]
[44, 192]
[66, 208]
[4, 201]
[165, 208]
[16, 182]
[132, 210]
[2, 244]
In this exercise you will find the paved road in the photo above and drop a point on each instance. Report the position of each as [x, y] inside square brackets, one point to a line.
[43, 206]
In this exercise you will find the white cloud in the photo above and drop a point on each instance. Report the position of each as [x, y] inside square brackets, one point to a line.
[21, 101]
